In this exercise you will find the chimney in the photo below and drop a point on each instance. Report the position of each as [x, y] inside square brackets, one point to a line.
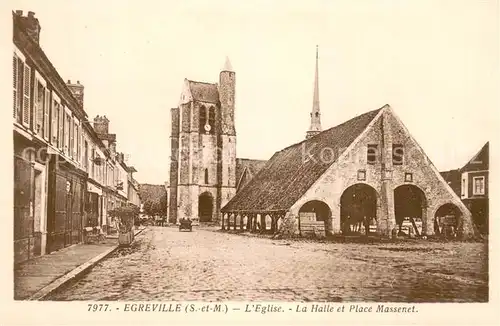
[31, 25]
[77, 91]
[101, 125]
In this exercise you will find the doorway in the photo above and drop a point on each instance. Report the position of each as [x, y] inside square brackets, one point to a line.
[205, 207]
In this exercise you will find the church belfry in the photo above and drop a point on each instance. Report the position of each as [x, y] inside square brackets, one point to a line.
[315, 127]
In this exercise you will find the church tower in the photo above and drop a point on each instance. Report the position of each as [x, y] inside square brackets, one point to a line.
[315, 127]
[227, 139]
[203, 145]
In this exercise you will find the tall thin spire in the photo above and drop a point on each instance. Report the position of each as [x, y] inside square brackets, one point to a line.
[315, 127]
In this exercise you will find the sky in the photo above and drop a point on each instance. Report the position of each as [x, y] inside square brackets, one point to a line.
[435, 62]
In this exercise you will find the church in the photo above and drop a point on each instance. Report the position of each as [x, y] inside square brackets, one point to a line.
[205, 172]
[367, 175]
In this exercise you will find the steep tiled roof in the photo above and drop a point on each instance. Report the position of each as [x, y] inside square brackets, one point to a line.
[246, 169]
[204, 92]
[480, 161]
[288, 174]
[453, 178]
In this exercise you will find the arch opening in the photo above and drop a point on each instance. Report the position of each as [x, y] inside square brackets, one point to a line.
[205, 207]
[410, 207]
[446, 220]
[358, 210]
[314, 217]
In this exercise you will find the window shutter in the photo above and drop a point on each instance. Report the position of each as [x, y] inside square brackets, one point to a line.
[71, 130]
[77, 143]
[46, 112]
[67, 132]
[60, 135]
[27, 93]
[36, 121]
[15, 86]
[55, 120]
[40, 99]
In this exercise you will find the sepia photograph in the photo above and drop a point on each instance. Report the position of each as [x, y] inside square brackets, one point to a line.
[327, 155]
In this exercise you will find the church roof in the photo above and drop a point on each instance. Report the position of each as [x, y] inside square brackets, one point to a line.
[288, 175]
[204, 92]
[246, 169]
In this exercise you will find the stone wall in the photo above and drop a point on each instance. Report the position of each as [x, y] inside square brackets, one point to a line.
[344, 173]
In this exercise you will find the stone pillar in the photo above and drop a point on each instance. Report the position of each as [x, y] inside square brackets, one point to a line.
[387, 186]
[335, 220]
[263, 222]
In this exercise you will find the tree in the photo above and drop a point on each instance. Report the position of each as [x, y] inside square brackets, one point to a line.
[154, 199]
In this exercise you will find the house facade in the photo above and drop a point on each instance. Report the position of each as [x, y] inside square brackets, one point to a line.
[474, 187]
[58, 181]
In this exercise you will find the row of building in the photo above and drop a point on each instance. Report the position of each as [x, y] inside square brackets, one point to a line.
[67, 171]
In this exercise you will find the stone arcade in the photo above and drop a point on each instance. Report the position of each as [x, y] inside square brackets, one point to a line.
[366, 174]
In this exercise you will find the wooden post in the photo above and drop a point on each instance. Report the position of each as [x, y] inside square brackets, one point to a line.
[223, 218]
[242, 216]
[234, 227]
[249, 222]
[263, 222]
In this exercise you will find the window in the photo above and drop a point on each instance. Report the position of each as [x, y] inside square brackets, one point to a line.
[67, 133]
[21, 74]
[397, 154]
[206, 176]
[39, 107]
[371, 155]
[26, 95]
[55, 122]
[92, 164]
[478, 186]
[60, 134]
[46, 112]
[203, 118]
[77, 141]
[86, 155]
[408, 177]
[464, 187]
[211, 119]
[361, 175]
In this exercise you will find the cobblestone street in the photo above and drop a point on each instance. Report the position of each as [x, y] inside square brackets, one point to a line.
[165, 264]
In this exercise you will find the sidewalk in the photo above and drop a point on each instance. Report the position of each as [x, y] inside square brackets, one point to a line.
[37, 277]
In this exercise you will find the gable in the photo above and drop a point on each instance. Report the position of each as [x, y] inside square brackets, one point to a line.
[246, 169]
[480, 161]
[344, 172]
[425, 174]
[293, 170]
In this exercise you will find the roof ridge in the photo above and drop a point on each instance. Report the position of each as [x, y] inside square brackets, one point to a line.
[326, 130]
[200, 82]
[250, 159]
